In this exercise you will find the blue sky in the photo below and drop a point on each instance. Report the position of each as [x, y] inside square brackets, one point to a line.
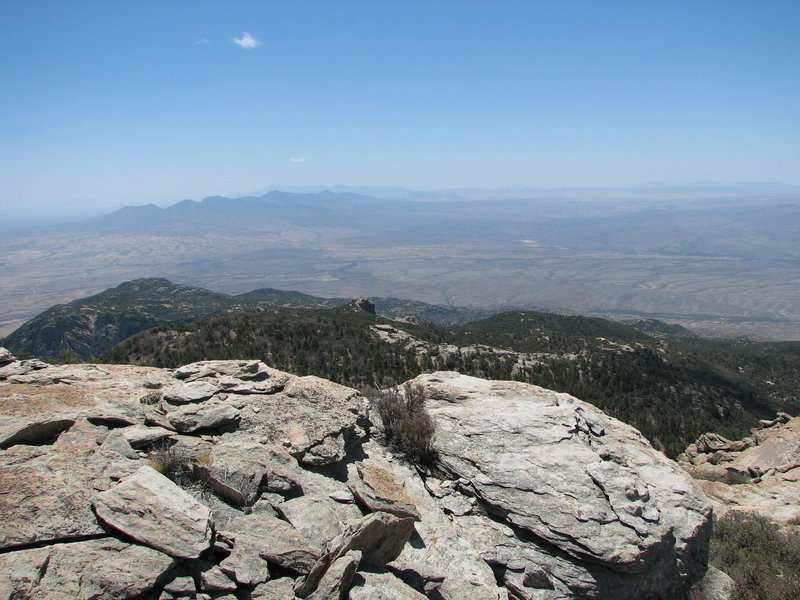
[116, 102]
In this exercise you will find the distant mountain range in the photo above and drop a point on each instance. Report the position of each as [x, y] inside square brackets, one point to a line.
[680, 228]
[717, 259]
[528, 191]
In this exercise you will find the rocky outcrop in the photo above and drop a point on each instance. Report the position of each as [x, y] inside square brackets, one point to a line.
[5, 357]
[536, 495]
[556, 477]
[362, 304]
[760, 473]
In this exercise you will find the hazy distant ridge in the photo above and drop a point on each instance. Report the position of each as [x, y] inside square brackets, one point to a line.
[718, 259]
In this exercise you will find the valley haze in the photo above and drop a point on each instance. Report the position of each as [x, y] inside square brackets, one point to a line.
[718, 259]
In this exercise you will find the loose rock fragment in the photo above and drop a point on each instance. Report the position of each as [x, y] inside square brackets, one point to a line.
[151, 509]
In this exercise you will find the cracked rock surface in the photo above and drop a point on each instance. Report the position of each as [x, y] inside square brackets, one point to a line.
[231, 480]
[560, 473]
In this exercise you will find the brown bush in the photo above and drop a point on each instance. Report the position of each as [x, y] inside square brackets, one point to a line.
[174, 462]
[406, 425]
[151, 398]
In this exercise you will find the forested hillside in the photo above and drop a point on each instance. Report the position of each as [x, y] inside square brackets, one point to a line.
[88, 326]
[671, 388]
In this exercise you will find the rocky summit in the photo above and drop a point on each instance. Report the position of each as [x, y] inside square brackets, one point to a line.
[758, 474]
[232, 480]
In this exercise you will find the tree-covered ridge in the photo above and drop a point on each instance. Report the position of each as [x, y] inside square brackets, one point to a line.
[89, 326]
[672, 390]
[328, 343]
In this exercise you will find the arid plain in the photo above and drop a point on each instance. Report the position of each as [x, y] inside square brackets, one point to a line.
[721, 262]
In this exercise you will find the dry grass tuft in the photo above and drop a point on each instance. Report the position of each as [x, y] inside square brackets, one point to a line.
[405, 423]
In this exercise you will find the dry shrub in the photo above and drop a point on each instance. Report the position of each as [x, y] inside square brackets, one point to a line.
[174, 462]
[405, 423]
[761, 557]
[151, 398]
[191, 472]
[203, 459]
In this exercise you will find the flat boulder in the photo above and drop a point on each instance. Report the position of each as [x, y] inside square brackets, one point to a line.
[266, 468]
[210, 577]
[375, 487]
[379, 537]
[186, 393]
[311, 417]
[141, 436]
[335, 584]
[382, 586]
[314, 517]
[275, 540]
[116, 442]
[46, 491]
[100, 569]
[203, 417]
[234, 385]
[151, 509]
[244, 564]
[274, 589]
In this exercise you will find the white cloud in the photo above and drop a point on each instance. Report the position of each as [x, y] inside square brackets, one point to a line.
[297, 160]
[202, 41]
[246, 41]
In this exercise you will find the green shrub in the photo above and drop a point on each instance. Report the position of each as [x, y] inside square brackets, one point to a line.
[406, 425]
[761, 557]
[67, 357]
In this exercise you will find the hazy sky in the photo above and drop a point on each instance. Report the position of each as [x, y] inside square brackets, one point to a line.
[130, 102]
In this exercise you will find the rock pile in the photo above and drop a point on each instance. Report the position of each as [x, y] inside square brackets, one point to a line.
[228, 479]
[760, 473]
